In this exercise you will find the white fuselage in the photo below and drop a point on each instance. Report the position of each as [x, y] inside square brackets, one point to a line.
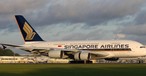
[116, 48]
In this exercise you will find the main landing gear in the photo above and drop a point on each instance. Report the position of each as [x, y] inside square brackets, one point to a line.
[81, 62]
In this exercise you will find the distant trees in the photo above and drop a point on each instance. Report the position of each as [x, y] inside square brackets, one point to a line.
[7, 52]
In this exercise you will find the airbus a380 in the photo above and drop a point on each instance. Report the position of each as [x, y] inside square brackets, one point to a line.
[76, 50]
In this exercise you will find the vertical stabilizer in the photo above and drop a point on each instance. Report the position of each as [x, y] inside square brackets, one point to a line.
[28, 33]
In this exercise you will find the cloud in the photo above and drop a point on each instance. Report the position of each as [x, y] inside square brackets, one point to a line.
[120, 35]
[74, 32]
[9, 8]
[47, 12]
[141, 17]
[75, 19]
[16, 6]
[133, 32]
[138, 30]
[87, 11]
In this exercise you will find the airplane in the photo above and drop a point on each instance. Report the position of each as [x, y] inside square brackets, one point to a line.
[110, 50]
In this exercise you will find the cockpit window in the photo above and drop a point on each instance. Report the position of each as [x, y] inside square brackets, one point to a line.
[142, 46]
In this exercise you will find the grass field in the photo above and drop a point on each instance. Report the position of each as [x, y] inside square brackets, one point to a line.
[72, 69]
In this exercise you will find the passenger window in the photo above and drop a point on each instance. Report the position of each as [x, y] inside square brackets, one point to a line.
[142, 46]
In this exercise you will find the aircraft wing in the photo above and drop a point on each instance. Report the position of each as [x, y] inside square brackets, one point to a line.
[97, 54]
[5, 45]
[72, 51]
[94, 55]
[67, 52]
[100, 54]
[11, 45]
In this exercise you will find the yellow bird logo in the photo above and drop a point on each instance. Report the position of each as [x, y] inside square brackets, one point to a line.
[29, 32]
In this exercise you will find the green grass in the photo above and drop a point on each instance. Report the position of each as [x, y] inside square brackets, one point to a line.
[72, 69]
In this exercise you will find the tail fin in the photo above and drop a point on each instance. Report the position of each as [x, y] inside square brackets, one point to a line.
[28, 33]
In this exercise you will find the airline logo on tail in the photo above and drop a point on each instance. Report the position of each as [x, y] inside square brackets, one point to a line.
[29, 32]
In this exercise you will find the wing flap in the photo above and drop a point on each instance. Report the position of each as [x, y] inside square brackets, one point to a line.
[99, 55]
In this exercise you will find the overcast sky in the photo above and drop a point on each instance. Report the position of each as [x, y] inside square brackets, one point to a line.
[57, 20]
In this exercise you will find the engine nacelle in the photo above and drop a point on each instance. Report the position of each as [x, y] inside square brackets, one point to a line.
[82, 56]
[112, 59]
[56, 54]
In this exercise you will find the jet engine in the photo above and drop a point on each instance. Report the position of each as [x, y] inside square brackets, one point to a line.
[82, 56]
[56, 54]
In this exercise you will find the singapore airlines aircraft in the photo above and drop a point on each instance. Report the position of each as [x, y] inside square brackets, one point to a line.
[76, 50]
